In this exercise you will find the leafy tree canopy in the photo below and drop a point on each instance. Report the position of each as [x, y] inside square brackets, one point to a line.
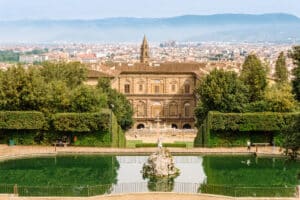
[118, 103]
[254, 76]
[222, 91]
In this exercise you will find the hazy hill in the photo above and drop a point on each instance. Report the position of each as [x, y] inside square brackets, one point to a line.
[221, 27]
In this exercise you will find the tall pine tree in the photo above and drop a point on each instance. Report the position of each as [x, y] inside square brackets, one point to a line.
[281, 72]
[254, 76]
[295, 54]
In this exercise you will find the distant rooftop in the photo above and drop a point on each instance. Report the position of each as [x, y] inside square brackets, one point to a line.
[160, 68]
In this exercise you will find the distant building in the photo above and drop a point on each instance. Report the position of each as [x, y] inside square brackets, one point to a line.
[157, 92]
[144, 58]
[164, 93]
[32, 58]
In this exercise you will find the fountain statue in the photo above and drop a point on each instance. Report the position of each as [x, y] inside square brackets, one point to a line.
[160, 164]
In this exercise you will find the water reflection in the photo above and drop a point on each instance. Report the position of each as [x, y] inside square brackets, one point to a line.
[191, 171]
[93, 175]
[161, 184]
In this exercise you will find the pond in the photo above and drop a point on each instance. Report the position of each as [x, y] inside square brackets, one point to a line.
[88, 175]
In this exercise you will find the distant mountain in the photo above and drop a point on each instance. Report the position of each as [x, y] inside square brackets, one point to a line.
[276, 27]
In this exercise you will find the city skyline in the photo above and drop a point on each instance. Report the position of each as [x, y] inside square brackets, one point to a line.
[98, 9]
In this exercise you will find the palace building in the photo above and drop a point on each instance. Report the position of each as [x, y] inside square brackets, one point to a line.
[158, 92]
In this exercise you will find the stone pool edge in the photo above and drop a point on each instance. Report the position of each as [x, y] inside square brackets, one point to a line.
[14, 152]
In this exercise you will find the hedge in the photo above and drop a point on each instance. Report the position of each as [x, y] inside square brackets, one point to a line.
[81, 122]
[232, 123]
[91, 129]
[22, 120]
[111, 133]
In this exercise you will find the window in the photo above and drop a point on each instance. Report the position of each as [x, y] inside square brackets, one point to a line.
[173, 109]
[173, 88]
[140, 88]
[140, 126]
[156, 89]
[186, 126]
[186, 88]
[157, 109]
[174, 126]
[127, 88]
[187, 110]
[141, 109]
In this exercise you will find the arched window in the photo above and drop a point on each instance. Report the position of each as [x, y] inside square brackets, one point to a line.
[157, 110]
[140, 126]
[173, 85]
[141, 109]
[173, 109]
[186, 126]
[174, 126]
[186, 109]
[186, 88]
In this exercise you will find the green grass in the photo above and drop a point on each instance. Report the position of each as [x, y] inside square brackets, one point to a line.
[187, 144]
[179, 145]
[132, 143]
[139, 143]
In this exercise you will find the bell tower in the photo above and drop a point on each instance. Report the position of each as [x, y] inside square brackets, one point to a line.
[144, 58]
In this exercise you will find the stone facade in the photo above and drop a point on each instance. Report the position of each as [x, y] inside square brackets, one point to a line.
[161, 93]
[165, 96]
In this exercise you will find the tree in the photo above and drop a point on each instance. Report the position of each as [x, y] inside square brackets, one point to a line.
[254, 76]
[73, 73]
[50, 89]
[121, 106]
[295, 55]
[21, 89]
[281, 72]
[279, 98]
[291, 135]
[87, 99]
[222, 91]
[57, 98]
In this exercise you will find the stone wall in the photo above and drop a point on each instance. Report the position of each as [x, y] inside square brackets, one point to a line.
[168, 96]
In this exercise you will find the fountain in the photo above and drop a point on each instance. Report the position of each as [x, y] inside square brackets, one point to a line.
[160, 164]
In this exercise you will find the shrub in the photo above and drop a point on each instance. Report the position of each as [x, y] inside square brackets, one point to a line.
[222, 128]
[17, 120]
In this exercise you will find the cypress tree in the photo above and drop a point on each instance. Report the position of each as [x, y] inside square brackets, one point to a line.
[254, 76]
[295, 54]
[281, 72]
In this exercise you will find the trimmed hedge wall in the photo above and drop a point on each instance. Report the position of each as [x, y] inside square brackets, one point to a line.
[22, 120]
[235, 124]
[81, 122]
[90, 129]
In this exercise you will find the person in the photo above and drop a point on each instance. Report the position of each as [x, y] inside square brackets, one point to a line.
[248, 145]
[159, 143]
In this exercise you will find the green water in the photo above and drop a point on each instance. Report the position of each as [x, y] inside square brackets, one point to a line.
[251, 171]
[87, 175]
[61, 170]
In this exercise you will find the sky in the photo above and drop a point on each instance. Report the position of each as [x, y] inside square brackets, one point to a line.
[96, 9]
